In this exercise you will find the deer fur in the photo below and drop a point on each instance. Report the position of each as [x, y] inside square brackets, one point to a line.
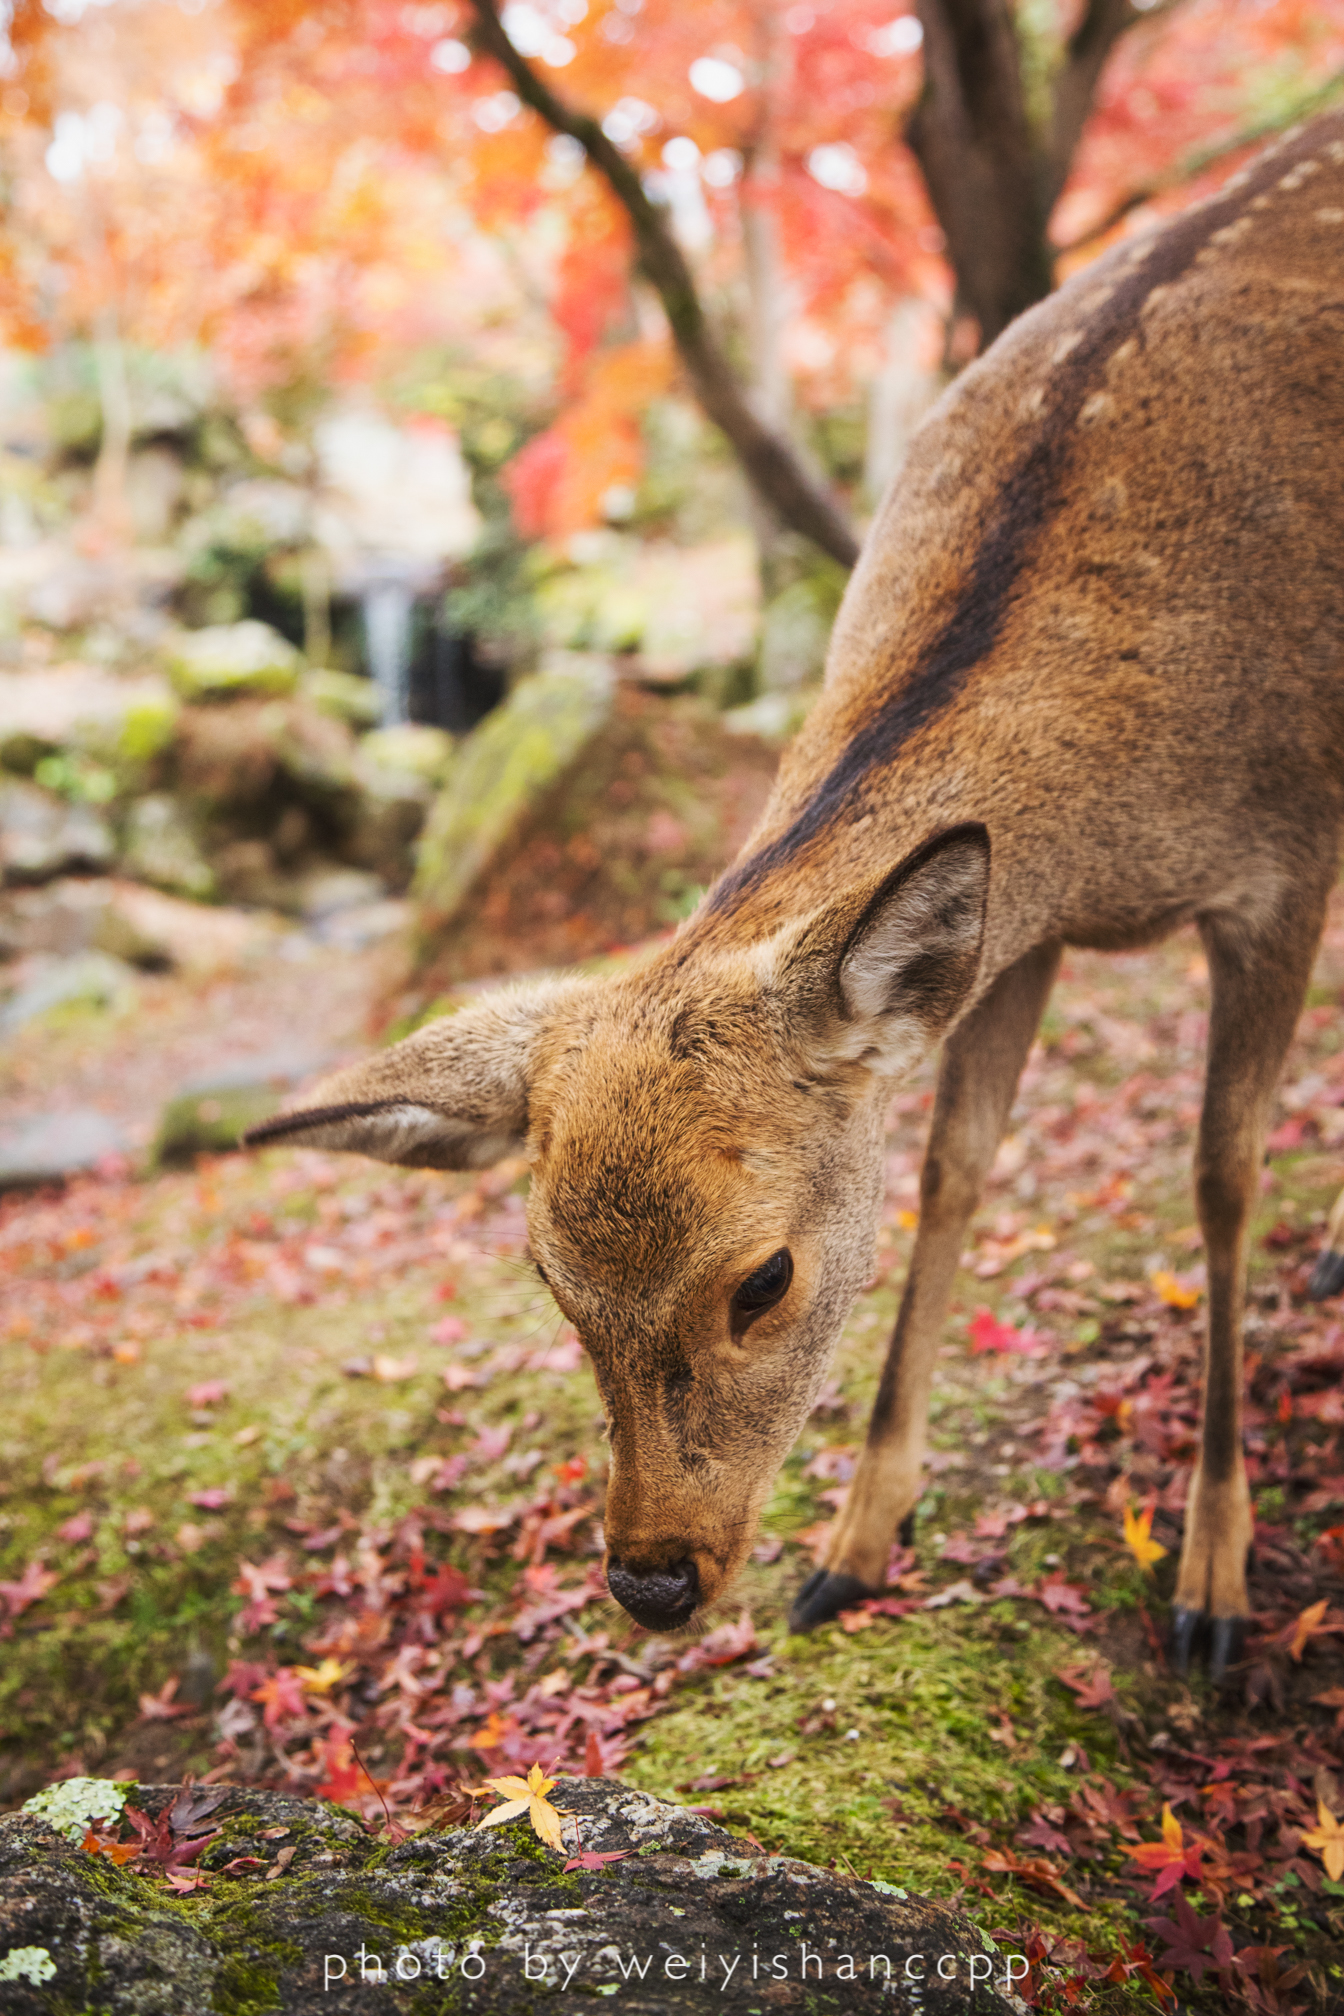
[1086, 685]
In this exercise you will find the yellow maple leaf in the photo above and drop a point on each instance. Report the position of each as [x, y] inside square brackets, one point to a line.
[1327, 1838]
[526, 1796]
[1173, 1292]
[321, 1679]
[1139, 1540]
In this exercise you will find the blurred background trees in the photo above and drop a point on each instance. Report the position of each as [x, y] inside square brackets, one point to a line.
[447, 342]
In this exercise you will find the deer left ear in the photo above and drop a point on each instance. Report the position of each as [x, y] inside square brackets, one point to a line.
[889, 968]
[453, 1096]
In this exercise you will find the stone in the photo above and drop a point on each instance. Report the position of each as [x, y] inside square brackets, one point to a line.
[226, 659]
[42, 835]
[498, 773]
[142, 926]
[83, 708]
[349, 698]
[226, 756]
[96, 979]
[325, 891]
[159, 846]
[388, 817]
[210, 1114]
[425, 752]
[485, 1922]
[48, 1149]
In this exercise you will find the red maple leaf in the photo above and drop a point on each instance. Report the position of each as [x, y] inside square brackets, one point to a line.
[1194, 1943]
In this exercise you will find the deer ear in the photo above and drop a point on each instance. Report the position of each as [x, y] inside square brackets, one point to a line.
[889, 968]
[453, 1096]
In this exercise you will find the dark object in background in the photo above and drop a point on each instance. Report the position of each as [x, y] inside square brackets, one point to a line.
[452, 685]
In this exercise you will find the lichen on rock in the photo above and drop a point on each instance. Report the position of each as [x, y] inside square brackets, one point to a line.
[682, 1917]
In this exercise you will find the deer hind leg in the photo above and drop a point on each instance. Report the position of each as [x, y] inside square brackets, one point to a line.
[1327, 1276]
[981, 1066]
[1258, 987]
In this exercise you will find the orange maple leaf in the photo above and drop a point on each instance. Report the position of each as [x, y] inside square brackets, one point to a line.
[1308, 1625]
[1170, 1858]
[1172, 1290]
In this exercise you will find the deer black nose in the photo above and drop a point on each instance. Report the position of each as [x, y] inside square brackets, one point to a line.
[658, 1598]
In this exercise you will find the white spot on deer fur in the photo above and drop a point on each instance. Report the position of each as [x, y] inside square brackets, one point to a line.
[1033, 402]
[1330, 216]
[1336, 152]
[1239, 180]
[1230, 233]
[1066, 345]
[1261, 202]
[1100, 406]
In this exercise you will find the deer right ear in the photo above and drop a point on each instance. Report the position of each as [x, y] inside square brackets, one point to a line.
[878, 976]
[453, 1096]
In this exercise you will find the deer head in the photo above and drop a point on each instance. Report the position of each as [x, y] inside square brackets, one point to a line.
[704, 1135]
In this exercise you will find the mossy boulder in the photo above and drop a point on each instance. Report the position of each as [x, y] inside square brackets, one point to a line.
[224, 660]
[305, 1911]
[498, 774]
[160, 846]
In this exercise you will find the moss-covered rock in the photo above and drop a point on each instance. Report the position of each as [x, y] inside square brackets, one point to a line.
[226, 659]
[499, 773]
[315, 1914]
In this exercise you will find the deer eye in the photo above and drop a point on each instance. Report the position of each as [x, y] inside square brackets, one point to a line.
[768, 1285]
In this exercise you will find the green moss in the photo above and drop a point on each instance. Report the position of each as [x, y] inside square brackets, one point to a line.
[924, 1695]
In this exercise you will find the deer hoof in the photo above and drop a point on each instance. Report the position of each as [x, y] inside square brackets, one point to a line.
[906, 1532]
[1187, 1632]
[1227, 1643]
[824, 1596]
[1327, 1276]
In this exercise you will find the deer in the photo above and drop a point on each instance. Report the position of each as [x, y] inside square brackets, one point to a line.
[1086, 686]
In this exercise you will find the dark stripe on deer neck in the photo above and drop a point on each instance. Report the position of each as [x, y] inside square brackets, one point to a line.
[1013, 524]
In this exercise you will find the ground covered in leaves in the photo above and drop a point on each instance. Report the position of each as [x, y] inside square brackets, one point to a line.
[302, 1487]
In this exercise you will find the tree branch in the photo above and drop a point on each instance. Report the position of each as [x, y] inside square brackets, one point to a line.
[1102, 25]
[1195, 164]
[773, 469]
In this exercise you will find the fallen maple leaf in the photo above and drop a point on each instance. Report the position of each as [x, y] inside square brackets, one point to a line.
[1090, 1690]
[1327, 1838]
[1170, 1858]
[1310, 1623]
[321, 1679]
[1193, 1943]
[389, 1371]
[116, 1851]
[1169, 1288]
[208, 1394]
[525, 1796]
[1035, 1870]
[988, 1334]
[161, 1707]
[30, 1588]
[1139, 1540]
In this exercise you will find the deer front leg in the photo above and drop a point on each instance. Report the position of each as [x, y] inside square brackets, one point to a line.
[1258, 989]
[980, 1069]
